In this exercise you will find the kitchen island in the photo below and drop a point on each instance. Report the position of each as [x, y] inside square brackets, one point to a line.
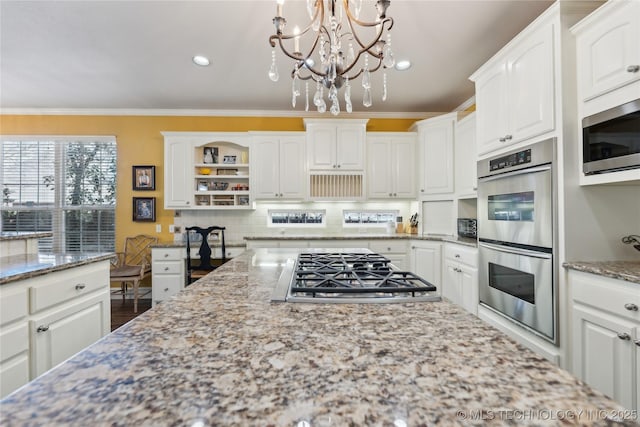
[220, 353]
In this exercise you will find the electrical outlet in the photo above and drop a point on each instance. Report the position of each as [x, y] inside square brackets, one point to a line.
[158, 228]
[172, 228]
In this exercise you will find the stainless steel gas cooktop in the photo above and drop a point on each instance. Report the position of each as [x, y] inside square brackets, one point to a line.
[351, 277]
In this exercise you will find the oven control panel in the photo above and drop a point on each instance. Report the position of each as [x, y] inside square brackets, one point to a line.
[513, 159]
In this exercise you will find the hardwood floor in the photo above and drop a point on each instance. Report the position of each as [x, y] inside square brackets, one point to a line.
[121, 312]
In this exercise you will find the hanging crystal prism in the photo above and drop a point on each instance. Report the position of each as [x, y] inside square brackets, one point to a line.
[317, 97]
[366, 77]
[347, 96]
[333, 93]
[311, 5]
[295, 88]
[306, 96]
[322, 106]
[388, 60]
[384, 87]
[335, 106]
[366, 98]
[351, 55]
[273, 71]
[358, 7]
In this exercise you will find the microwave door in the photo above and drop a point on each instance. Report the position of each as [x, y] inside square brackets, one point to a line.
[517, 207]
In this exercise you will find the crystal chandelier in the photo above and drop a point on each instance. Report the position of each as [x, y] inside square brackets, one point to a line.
[337, 54]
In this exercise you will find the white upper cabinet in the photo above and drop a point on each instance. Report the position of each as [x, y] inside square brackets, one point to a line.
[391, 165]
[336, 144]
[608, 49]
[466, 180]
[515, 91]
[278, 166]
[178, 174]
[435, 138]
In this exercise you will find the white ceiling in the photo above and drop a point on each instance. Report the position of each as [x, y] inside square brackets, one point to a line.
[137, 54]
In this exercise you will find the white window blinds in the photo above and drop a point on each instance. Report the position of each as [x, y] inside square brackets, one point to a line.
[65, 185]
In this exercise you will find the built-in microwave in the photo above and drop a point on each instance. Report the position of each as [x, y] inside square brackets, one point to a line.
[611, 139]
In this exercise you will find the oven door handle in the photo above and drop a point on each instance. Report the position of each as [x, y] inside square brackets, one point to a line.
[515, 251]
[542, 168]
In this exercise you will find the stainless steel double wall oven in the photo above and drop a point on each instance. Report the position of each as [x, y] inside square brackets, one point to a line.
[516, 233]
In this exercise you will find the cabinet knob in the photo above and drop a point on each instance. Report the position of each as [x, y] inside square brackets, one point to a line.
[166, 269]
[624, 336]
[338, 165]
[166, 255]
[637, 342]
[390, 194]
[422, 191]
[388, 249]
[501, 139]
[80, 286]
[457, 255]
[631, 307]
[334, 166]
[633, 68]
[508, 137]
[166, 289]
[42, 329]
[280, 194]
[188, 202]
[395, 194]
[413, 247]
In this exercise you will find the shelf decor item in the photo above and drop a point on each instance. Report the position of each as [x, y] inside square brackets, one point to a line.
[227, 171]
[210, 155]
[229, 160]
[144, 178]
[144, 209]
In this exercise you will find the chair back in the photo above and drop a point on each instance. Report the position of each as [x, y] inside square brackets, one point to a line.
[137, 250]
[204, 253]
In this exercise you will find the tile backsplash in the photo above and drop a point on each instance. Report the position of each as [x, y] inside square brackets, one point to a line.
[240, 223]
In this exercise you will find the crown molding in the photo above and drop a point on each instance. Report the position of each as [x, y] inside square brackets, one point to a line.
[466, 104]
[204, 113]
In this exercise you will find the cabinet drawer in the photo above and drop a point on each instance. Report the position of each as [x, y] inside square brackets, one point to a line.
[615, 296]
[174, 254]
[14, 303]
[231, 252]
[54, 288]
[388, 246]
[14, 373]
[14, 340]
[338, 243]
[168, 267]
[165, 287]
[462, 254]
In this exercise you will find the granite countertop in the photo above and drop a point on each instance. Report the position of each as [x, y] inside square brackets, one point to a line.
[622, 270]
[19, 267]
[366, 236]
[220, 353]
[18, 235]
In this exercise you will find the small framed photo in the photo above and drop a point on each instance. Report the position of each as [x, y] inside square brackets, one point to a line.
[144, 209]
[210, 155]
[229, 160]
[227, 172]
[203, 186]
[243, 200]
[144, 178]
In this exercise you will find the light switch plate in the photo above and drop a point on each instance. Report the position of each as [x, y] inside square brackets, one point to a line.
[172, 228]
[158, 228]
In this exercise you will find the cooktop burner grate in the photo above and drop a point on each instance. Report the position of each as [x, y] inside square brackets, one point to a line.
[349, 274]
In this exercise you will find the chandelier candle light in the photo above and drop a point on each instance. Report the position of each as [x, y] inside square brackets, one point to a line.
[337, 48]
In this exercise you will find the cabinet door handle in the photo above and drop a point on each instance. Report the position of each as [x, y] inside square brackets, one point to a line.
[508, 137]
[42, 329]
[166, 289]
[338, 166]
[422, 191]
[334, 166]
[637, 343]
[624, 336]
[188, 202]
[80, 286]
[166, 269]
[457, 256]
[395, 194]
[413, 247]
[631, 307]
[166, 255]
[502, 139]
[390, 194]
[633, 68]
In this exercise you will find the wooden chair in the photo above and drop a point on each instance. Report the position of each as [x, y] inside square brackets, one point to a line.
[200, 266]
[133, 265]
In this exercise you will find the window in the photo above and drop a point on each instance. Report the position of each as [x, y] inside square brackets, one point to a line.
[297, 218]
[65, 185]
[368, 218]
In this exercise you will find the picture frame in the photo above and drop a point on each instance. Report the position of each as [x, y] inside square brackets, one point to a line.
[229, 160]
[144, 178]
[210, 155]
[203, 186]
[227, 171]
[144, 209]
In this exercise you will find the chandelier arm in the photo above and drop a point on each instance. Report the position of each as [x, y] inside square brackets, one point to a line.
[352, 18]
[367, 47]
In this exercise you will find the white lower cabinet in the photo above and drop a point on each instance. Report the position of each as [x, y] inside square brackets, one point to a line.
[59, 334]
[395, 250]
[460, 281]
[167, 273]
[606, 335]
[426, 261]
[46, 319]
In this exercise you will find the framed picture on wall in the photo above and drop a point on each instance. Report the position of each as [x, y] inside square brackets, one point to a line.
[144, 209]
[144, 178]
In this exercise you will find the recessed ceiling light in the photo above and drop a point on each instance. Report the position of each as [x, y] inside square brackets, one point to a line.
[403, 65]
[200, 60]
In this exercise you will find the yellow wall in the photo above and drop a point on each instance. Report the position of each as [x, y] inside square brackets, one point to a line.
[139, 142]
